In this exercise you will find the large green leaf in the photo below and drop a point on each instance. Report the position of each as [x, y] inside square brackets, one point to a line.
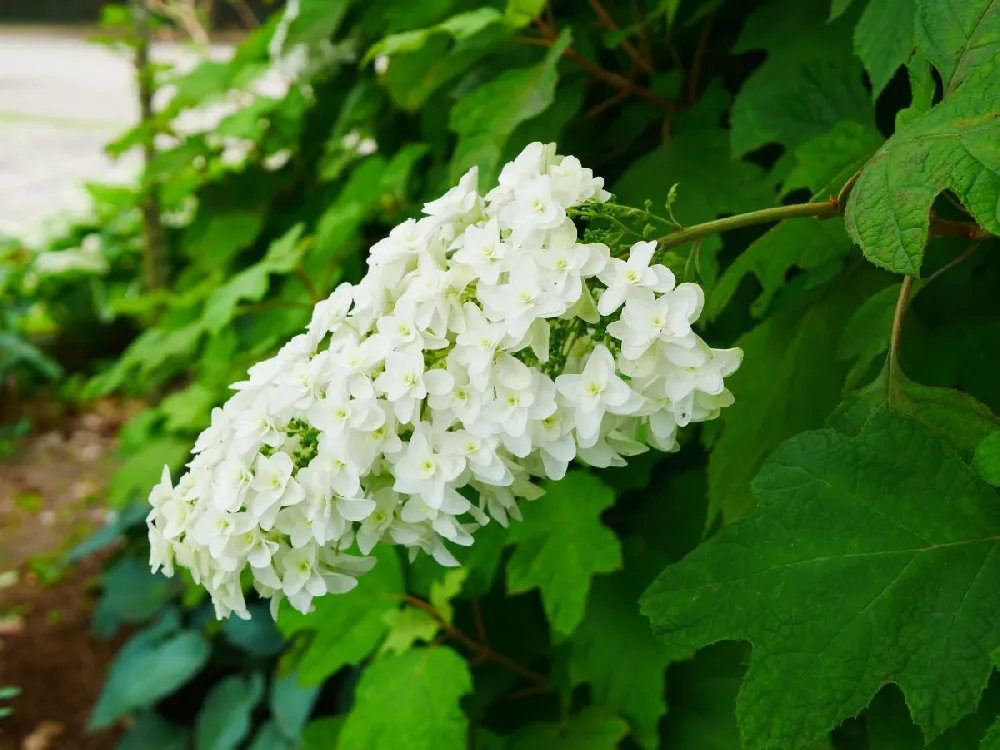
[152, 665]
[561, 544]
[485, 118]
[958, 35]
[591, 729]
[884, 38]
[460, 27]
[870, 559]
[808, 82]
[224, 720]
[410, 700]
[150, 730]
[956, 147]
[345, 629]
[866, 335]
[614, 651]
[803, 384]
[954, 416]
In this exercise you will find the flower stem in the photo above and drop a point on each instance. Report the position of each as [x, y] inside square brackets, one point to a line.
[821, 210]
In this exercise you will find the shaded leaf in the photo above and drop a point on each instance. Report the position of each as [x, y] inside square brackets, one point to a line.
[884, 39]
[875, 556]
[591, 729]
[614, 651]
[224, 720]
[561, 544]
[866, 335]
[804, 384]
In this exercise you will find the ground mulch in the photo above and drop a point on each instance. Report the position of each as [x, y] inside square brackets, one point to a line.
[50, 495]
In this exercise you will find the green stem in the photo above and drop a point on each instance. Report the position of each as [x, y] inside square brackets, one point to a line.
[823, 210]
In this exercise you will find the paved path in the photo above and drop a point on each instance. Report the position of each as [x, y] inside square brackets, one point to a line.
[61, 100]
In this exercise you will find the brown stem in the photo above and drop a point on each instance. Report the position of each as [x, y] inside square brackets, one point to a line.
[954, 262]
[549, 36]
[897, 326]
[246, 14]
[154, 237]
[606, 104]
[307, 283]
[609, 23]
[481, 652]
[694, 75]
[816, 210]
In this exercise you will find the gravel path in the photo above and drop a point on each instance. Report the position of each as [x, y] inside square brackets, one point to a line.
[61, 100]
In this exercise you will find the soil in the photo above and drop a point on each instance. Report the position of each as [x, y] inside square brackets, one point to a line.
[49, 497]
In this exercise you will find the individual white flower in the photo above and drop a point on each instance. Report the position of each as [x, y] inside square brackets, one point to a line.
[594, 391]
[625, 278]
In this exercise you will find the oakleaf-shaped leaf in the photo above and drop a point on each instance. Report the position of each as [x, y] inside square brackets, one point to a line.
[614, 651]
[869, 559]
[410, 700]
[561, 544]
[804, 384]
[883, 39]
[958, 35]
[956, 147]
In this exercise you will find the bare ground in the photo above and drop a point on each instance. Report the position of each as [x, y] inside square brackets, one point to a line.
[50, 496]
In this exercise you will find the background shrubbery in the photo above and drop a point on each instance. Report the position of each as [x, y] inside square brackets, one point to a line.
[371, 108]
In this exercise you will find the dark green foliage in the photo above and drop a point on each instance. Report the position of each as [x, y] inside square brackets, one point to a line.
[836, 526]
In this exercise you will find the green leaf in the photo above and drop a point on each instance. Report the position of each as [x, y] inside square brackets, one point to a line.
[875, 554]
[412, 696]
[702, 696]
[443, 591]
[890, 727]
[406, 627]
[347, 628]
[152, 665]
[922, 90]
[141, 469]
[315, 21]
[808, 82]
[215, 237]
[484, 118]
[955, 417]
[591, 729]
[224, 720]
[615, 652]
[884, 39]
[838, 8]
[17, 350]
[291, 704]
[987, 458]
[803, 385]
[150, 730]
[820, 162]
[322, 734]
[953, 147]
[958, 36]
[561, 544]
[460, 27]
[866, 335]
[270, 737]
[520, 13]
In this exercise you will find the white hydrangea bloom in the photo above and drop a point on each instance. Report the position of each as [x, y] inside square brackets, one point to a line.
[485, 350]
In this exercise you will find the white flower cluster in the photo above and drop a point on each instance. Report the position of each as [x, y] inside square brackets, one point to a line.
[486, 348]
